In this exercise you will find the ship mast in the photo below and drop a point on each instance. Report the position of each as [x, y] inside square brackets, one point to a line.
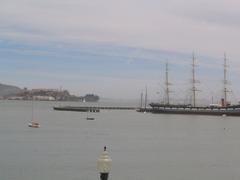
[145, 105]
[141, 102]
[167, 91]
[194, 89]
[225, 81]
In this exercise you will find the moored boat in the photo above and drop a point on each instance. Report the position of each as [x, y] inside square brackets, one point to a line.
[33, 124]
[223, 109]
[217, 111]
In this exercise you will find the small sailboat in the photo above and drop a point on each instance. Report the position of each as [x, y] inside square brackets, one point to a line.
[33, 123]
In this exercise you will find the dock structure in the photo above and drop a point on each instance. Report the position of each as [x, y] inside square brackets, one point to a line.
[144, 110]
[92, 108]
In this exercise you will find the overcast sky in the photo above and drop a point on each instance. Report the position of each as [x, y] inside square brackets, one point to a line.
[116, 47]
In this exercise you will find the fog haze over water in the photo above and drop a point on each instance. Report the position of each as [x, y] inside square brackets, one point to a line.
[142, 146]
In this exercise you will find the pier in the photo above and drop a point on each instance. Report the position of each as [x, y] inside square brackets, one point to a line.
[144, 110]
[92, 108]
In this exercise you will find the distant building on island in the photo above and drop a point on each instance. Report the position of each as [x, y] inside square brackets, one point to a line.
[57, 95]
[42, 94]
[44, 98]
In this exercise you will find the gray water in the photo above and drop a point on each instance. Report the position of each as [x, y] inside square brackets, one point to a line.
[142, 146]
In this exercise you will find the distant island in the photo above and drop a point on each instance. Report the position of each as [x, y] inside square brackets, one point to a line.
[10, 92]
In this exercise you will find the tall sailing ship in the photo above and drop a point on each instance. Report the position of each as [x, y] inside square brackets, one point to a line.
[223, 109]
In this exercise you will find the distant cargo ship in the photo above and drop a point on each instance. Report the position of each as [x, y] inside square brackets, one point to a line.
[90, 98]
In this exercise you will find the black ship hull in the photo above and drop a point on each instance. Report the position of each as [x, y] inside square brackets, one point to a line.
[198, 112]
[228, 111]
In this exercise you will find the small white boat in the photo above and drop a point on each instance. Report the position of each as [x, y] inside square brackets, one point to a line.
[33, 124]
[89, 118]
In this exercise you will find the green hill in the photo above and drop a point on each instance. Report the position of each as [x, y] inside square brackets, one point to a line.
[6, 90]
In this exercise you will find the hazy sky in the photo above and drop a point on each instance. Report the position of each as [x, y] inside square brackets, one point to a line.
[115, 48]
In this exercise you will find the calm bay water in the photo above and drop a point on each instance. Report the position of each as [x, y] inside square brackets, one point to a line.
[142, 146]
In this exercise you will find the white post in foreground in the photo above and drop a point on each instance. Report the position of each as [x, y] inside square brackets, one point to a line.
[104, 164]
